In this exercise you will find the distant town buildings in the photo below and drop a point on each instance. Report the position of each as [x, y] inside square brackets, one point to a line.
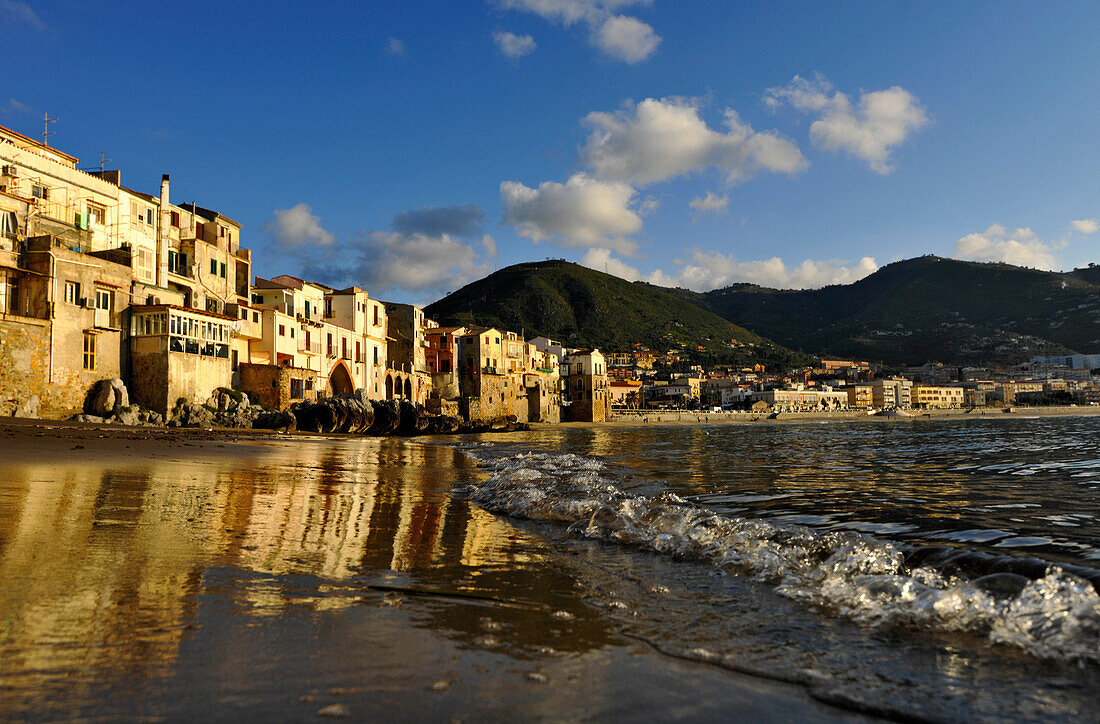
[99, 280]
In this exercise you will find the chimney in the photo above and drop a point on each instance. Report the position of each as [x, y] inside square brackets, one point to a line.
[162, 234]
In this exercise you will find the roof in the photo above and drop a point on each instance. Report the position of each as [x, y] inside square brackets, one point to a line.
[202, 312]
[148, 197]
[261, 283]
[209, 214]
[38, 144]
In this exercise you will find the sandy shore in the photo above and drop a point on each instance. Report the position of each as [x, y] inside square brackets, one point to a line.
[150, 573]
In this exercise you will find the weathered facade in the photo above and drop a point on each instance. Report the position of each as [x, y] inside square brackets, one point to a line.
[584, 373]
[277, 387]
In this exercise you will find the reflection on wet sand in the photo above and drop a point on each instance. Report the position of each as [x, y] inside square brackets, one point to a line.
[106, 570]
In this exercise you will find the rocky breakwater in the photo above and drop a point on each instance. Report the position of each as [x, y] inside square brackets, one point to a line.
[357, 414]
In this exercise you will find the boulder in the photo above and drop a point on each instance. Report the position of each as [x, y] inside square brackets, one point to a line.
[283, 421]
[84, 417]
[105, 397]
[414, 419]
[387, 417]
[27, 408]
[189, 414]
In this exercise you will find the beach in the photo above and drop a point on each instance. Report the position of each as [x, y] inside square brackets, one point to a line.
[148, 574]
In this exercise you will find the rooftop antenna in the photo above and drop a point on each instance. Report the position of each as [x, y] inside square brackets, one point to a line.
[46, 132]
[103, 161]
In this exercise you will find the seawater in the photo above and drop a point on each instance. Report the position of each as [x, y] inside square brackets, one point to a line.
[893, 566]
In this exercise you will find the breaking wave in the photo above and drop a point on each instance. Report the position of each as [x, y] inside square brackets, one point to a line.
[1052, 613]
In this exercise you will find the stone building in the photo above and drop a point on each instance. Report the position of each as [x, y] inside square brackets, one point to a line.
[407, 364]
[584, 374]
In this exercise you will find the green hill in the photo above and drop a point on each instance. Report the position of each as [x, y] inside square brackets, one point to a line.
[583, 307]
[925, 309]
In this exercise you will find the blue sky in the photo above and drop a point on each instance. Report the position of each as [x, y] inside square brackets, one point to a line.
[410, 147]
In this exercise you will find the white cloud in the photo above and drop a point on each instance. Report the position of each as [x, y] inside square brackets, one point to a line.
[384, 260]
[869, 131]
[14, 106]
[583, 211]
[648, 206]
[996, 244]
[20, 13]
[514, 46]
[627, 39]
[711, 203]
[1085, 226]
[394, 47]
[621, 37]
[713, 270]
[659, 139]
[490, 245]
[458, 220]
[297, 227]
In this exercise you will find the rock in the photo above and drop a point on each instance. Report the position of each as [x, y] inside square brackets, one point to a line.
[27, 408]
[189, 414]
[284, 421]
[335, 711]
[84, 417]
[232, 408]
[105, 397]
[387, 417]
[414, 419]
[127, 416]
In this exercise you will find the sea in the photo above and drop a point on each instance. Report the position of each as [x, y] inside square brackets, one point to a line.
[942, 570]
[903, 570]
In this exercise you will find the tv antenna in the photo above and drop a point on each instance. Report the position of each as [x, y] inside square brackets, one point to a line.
[46, 132]
[103, 161]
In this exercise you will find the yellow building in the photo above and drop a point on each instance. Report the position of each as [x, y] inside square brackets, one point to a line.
[930, 397]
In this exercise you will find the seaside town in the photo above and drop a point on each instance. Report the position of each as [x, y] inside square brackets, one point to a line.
[120, 304]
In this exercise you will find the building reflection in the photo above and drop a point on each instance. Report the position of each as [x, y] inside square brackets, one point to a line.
[106, 570]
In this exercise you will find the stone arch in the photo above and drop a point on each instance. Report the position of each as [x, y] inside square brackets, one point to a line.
[408, 389]
[389, 387]
[339, 380]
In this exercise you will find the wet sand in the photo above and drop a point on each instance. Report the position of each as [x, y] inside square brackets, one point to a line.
[213, 575]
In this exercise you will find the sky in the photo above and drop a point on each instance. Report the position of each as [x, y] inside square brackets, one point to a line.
[412, 147]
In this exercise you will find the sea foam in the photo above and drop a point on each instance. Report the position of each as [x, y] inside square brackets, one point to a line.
[1054, 615]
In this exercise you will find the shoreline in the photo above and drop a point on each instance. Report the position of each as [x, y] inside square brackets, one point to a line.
[248, 538]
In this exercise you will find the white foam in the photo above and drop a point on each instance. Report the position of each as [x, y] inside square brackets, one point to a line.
[859, 576]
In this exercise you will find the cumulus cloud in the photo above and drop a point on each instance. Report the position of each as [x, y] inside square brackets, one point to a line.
[627, 39]
[869, 130]
[622, 37]
[14, 106]
[996, 244]
[584, 211]
[422, 255]
[713, 270]
[661, 138]
[1085, 226]
[464, 220]
[712, 203]
[297, 228]
[514, 46]
[382, 261]
[20, 13]
[394, 47]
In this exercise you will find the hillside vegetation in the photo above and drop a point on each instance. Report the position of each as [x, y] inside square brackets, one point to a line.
[925, 309]
[583, 307]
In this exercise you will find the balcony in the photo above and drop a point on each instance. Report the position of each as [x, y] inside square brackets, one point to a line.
[311, 347]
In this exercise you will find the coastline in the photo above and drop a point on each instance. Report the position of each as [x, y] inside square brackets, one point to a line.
[298, 550]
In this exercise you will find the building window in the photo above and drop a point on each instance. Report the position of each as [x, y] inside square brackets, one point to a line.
[329, 346]
[214, 267]
[97, 215]
[40, 192]
[376, 355]
[89, 351]
[328, 306]
[297, 389]
[9, 225]
[72, 293]
[292, 332]
[358, 351]
[233, 356]
[102, 299]
[375, 315]
[282, 330]
[175, 219]
[148, 216]
[200, 230]
[221, 272]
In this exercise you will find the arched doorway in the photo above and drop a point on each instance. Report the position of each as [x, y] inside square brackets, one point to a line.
[339, 381]
[408, 389]
[389, 387]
